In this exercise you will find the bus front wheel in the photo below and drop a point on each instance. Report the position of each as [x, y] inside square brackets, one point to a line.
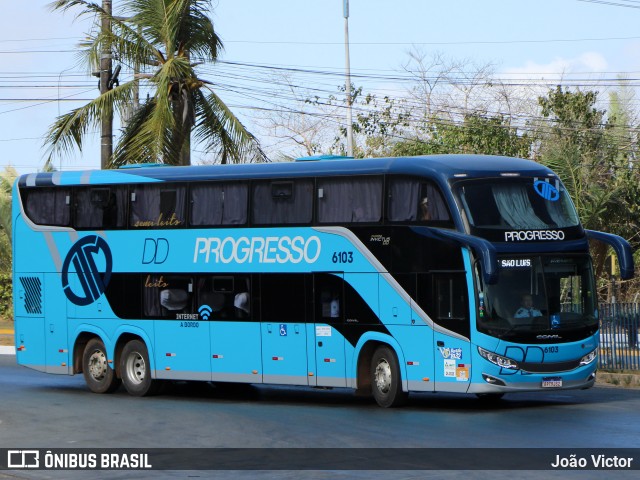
[135, 370]
[98, 374]
[385, 378]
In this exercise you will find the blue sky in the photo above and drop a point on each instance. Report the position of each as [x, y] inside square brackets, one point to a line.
[536, 39]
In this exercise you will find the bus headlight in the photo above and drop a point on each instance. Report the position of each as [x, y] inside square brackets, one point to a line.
[588, 358]
[499, 360]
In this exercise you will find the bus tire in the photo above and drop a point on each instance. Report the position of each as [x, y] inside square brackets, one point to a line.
[386, 381]
[135, 370]
[98, 374]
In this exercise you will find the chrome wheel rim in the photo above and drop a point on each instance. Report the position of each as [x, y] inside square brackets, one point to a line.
[383, 376]
[98, 365]
[136, 368]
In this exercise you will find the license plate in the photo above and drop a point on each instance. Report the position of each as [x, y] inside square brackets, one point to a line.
[551, 382]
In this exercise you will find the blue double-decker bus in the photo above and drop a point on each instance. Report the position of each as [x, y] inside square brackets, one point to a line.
[451, 273]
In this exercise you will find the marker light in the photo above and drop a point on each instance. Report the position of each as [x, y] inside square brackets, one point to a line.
[499, 360]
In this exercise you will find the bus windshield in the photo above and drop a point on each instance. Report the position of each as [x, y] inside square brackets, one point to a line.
[539, 297]
[517, 203]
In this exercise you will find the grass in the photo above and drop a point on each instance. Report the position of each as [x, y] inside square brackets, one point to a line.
[6, 322]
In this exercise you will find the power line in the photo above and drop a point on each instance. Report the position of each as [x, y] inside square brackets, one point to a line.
[627, 4]
[456, 42]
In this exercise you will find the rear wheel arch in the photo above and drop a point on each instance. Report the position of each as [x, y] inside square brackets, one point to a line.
[363, 366]
[120, 344]
[135, 369]
[97, 368]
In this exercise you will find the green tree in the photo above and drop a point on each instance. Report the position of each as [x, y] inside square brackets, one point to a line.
[582, 145]
[622, 137]
[6, 183]
[167, 40]
[574, 145]
[489, 135]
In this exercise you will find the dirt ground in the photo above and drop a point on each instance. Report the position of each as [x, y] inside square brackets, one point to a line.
[6, 331]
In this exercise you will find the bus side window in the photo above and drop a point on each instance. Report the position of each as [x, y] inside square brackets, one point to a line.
[404, 196]
[154, 206]
[282, 202]
[242, 297]
[413, 200]
[216, 292]
[329, 291]
[48, 206]
[444, 297]
[124, 295]
[165, 296]
[219, 204]
[283, 297]
[100, 208]
[350, 200]
[225, 297]
[432, 206]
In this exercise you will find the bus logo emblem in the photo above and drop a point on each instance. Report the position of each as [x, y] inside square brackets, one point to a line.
[546, 190]
[83, 255]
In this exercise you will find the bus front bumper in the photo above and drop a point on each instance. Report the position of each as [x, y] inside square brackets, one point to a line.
[551, 382]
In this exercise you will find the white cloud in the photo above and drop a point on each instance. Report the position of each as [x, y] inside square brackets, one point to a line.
[559, 68]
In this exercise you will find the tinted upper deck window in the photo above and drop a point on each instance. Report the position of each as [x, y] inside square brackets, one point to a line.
[282, 202]
[219, 204]
[48, 206]
[157, 206]
[100, 207]
[350, 200]
[415, 200]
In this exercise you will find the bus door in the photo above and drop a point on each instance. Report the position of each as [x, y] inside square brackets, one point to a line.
[181, 334]
[328, 348]
[409, 329]
[230, 302]
[449, 306]
[285, 311]
[55, 327]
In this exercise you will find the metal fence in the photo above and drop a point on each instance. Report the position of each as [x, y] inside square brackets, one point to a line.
[619, 336]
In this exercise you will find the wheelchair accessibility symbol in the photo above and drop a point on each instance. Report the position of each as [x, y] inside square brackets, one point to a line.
[283, 330]
[81, 259]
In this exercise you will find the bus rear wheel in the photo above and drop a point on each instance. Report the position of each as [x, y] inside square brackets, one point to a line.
[98, 374]
[135, 370]
[385, 378]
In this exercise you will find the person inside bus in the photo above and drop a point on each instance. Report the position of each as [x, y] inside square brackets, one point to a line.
[527, 310]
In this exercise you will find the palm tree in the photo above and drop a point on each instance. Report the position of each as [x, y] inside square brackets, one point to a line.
[6, 183]
[166, 40]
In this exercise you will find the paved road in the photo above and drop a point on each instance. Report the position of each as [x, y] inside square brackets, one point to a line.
[47, 411]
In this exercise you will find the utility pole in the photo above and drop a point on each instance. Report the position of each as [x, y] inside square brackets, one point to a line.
[106, 130]
[348, 79]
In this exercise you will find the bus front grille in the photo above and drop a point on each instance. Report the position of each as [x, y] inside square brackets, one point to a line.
[550, 367]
